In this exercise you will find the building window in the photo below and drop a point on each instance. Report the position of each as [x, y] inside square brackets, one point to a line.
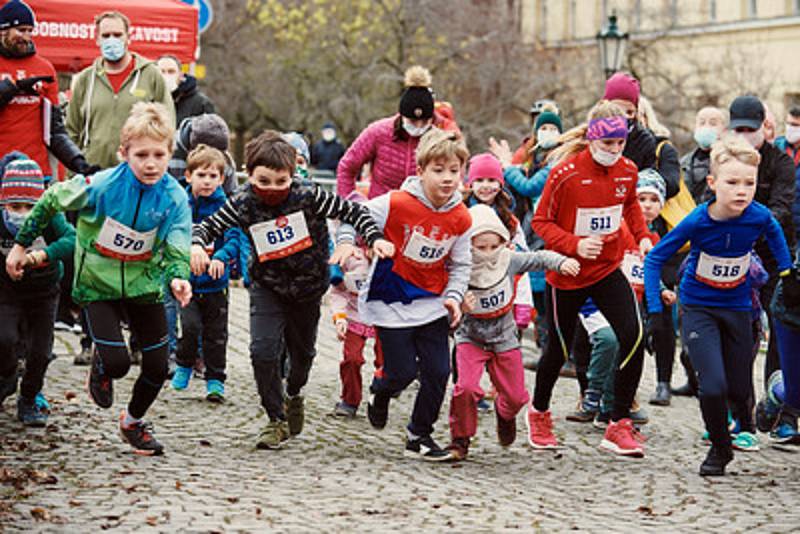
[673, 13]
[637, 14]
[712, 10]
[752, 8]
[543, 21]
[796, 7]
[573, 19]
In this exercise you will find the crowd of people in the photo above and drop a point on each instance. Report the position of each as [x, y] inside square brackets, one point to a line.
[601, 235]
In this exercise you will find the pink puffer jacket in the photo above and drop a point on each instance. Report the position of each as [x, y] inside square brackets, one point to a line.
[392, 159]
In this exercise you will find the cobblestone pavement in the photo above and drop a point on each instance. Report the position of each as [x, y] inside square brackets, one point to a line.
[341, 475]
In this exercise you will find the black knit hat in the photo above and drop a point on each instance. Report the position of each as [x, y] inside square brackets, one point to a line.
[16, 13]
[417, 103]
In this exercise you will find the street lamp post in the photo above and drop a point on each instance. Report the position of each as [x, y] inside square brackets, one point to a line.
[612, 46]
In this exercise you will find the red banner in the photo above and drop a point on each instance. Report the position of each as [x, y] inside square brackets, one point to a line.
[65, 30]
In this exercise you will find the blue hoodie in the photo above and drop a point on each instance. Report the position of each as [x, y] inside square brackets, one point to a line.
[225, 250]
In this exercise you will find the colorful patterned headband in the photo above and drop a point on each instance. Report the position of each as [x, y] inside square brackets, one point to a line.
[607, 128]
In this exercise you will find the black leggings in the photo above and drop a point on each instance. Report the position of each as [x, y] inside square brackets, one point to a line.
[615, 299]
[148, 322]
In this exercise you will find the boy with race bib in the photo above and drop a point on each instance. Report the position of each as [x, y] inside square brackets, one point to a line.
[28, 304]
[487, 336]
[133, 231]
[590, 190]
[286, 222]
[715, 290]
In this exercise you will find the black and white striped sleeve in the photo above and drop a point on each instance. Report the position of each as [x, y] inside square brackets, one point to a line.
[332, 206]
[213, 227]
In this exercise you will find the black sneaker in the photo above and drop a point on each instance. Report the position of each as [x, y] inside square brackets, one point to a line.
[378, 409]
[686, 390]
[141, 438]
[715, 462]
[8, 386]
[100, 386]
[427, 449]
[30, 413]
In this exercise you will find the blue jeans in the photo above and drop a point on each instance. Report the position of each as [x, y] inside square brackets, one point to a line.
[418, 351]
[789, 349]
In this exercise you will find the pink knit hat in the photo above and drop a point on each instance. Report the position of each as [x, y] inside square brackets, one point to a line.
[622, 86]
[485, 166]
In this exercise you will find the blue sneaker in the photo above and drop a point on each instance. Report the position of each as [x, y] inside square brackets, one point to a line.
[41, 402]
[746, 442]
[180, 380]
[785, 431]
[29, 413]
[484, 406]
[215, 390]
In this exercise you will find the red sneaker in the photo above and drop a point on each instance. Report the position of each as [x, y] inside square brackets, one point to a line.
[621, 438]
[540, 430]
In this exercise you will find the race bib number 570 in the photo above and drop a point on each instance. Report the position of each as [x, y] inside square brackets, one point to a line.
[118, 241]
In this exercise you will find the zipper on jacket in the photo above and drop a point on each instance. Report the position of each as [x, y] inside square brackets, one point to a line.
[80, 268]
[122, 263]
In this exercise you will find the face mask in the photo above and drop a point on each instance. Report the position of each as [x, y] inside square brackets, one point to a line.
[606, 159]
[112, 48]
[328, 134]
[792, 134]
[480, 257]
[705, 137]
[13, 221]
[547, 138]
[271, 197]
[414, 131]
[756, 139]
[302, 172]
[171, 82]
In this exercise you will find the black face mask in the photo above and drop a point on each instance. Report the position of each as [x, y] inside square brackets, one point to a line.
[632, 124]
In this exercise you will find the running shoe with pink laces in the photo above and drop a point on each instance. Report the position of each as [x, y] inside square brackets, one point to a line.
[540, 429]
[622, 438]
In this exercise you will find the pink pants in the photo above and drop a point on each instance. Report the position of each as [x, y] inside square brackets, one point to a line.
[350, 366]
[507, 375]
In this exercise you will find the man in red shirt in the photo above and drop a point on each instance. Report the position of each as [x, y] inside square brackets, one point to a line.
[32, 121]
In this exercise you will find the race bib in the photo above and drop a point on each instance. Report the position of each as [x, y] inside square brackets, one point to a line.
[633, 269]
[494, 301]
[425, 250]
[355, 281]
[125, 244]
[281, 237]
[598, 221]
[722, 273]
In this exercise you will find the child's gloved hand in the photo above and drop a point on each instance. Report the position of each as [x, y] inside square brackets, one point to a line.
[342, 253]
[668, 297]
[454, 308]
[199, 260]
[341, 329]
[182, 291]
[791, 288]
[570, 267]
[15, 262]
[383, 248]
[216, 269]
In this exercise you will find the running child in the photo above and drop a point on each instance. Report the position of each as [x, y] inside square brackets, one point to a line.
[286, 222]
[133, 229]
[28, 304]
[590, 191]
[205, 319]
[715, 290]
[487, 336]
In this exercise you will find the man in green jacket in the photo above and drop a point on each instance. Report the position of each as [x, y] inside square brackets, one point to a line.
[104, 93]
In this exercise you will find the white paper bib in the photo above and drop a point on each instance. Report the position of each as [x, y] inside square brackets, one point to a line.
[633, 269]
[598, 221]
[123, 243]
[355, 281]
[494, 301]
[722, 273]
[281, 237]
[422, 249]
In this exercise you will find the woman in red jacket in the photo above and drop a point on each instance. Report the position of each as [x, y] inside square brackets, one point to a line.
[590, 191]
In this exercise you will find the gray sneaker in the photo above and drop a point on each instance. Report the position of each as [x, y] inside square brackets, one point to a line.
[343, 409]
[295, 414]
[273, 435]
[84, 358]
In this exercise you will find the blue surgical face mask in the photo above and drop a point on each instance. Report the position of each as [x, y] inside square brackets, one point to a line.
[112, 48]
[705, 137]
[13, 221]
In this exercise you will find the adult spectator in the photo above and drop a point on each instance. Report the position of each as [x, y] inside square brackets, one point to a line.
[104, 93]
[31, 119]
[776, 189]
[789, 143]
[326, 153]
[188, 99]
[389, 145]
[709, 124]
[523, 153]
[207, 129]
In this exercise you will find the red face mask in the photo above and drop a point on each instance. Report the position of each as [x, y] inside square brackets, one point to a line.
[271, 197]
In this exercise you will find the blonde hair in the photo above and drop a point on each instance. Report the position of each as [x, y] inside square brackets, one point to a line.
[439, 144]
[574, 140]
[732, 147]
[148, 119]
[648, 117]
[203, 156]
[112, 15]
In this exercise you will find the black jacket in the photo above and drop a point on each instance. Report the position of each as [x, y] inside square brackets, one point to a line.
[641, 147]
[668, 165]
[696, 166]
[326, 155]
[776, 190]
[189, 100]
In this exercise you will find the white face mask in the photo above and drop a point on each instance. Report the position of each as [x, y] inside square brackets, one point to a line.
[171, 82]
[792, 134]
[328, 134]
[604, 158]
[756, 139]
[547, 138]
[415, 131]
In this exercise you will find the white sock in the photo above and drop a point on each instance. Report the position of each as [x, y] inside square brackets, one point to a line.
[129, 420]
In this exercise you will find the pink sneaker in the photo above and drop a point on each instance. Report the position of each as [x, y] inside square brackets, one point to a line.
[621, 438]
[540, 430]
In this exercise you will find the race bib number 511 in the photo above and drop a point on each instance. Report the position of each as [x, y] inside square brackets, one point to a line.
[281, 237]
[598, 221]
